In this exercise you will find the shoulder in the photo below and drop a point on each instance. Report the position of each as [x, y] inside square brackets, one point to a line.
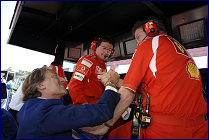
[153, 40]
[145, 44]
[40, 104]
[164, 37]
[91, 57]
[32, 102]
[87, 60]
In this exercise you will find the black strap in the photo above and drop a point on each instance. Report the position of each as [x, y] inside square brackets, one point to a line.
[138, 123]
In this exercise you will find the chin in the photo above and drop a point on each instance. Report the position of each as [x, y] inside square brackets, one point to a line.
[65, 92]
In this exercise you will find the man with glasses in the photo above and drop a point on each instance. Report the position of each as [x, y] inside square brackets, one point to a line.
[85, 86]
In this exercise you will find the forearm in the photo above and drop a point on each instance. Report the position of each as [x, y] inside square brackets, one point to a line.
[126, 99]
[98, 113]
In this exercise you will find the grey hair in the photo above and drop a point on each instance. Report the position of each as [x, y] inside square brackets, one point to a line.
[30, 84]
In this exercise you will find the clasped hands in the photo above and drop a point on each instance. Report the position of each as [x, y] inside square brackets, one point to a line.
[111, 78]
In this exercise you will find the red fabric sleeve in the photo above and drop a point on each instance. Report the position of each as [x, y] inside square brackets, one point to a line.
[139, 65]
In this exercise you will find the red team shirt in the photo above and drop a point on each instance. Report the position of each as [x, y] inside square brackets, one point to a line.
[174, 86]
[85, 85]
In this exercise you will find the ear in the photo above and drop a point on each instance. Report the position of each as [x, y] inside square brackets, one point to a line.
[41, 87]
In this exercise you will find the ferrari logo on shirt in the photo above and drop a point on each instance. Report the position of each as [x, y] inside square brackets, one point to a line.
[98, 70]
[192, 70]
[179, 48]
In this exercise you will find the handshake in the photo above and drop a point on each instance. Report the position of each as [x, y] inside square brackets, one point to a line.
[111, 78]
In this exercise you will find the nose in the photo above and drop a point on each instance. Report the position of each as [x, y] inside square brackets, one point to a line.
[108, 52]
[62, 80]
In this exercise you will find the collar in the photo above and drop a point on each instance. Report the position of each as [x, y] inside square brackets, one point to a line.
[161, 33]
[100, 60]
[41, 98]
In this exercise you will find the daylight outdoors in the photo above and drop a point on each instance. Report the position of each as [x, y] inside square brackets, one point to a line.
[14, 58]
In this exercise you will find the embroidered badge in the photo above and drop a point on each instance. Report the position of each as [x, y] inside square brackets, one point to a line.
[83, 69]
[86, 62]
[179, 48]
[78, 76]
[98, 70]
[192, 70]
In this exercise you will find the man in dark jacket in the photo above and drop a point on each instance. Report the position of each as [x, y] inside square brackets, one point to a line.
[43, 115]
[8, 125]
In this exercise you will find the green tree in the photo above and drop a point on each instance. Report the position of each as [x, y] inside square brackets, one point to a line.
[9, 69]
[21, 73]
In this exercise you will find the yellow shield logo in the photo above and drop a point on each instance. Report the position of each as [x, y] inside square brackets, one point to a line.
[193, 70]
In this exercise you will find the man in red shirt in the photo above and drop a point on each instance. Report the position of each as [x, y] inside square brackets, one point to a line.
[85, 85]
[177, 107]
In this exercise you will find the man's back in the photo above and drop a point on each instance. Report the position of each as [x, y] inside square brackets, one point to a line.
[173, 79]
[177, 106]
[49, 118]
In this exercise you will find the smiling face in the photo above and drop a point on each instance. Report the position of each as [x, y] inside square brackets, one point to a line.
[52, 87]
[104, 50]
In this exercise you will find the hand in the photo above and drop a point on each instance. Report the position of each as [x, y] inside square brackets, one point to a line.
[110, 76]
[114, 76]
[84, 103]
[104, 78]
[96, 130]
[119, 84]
